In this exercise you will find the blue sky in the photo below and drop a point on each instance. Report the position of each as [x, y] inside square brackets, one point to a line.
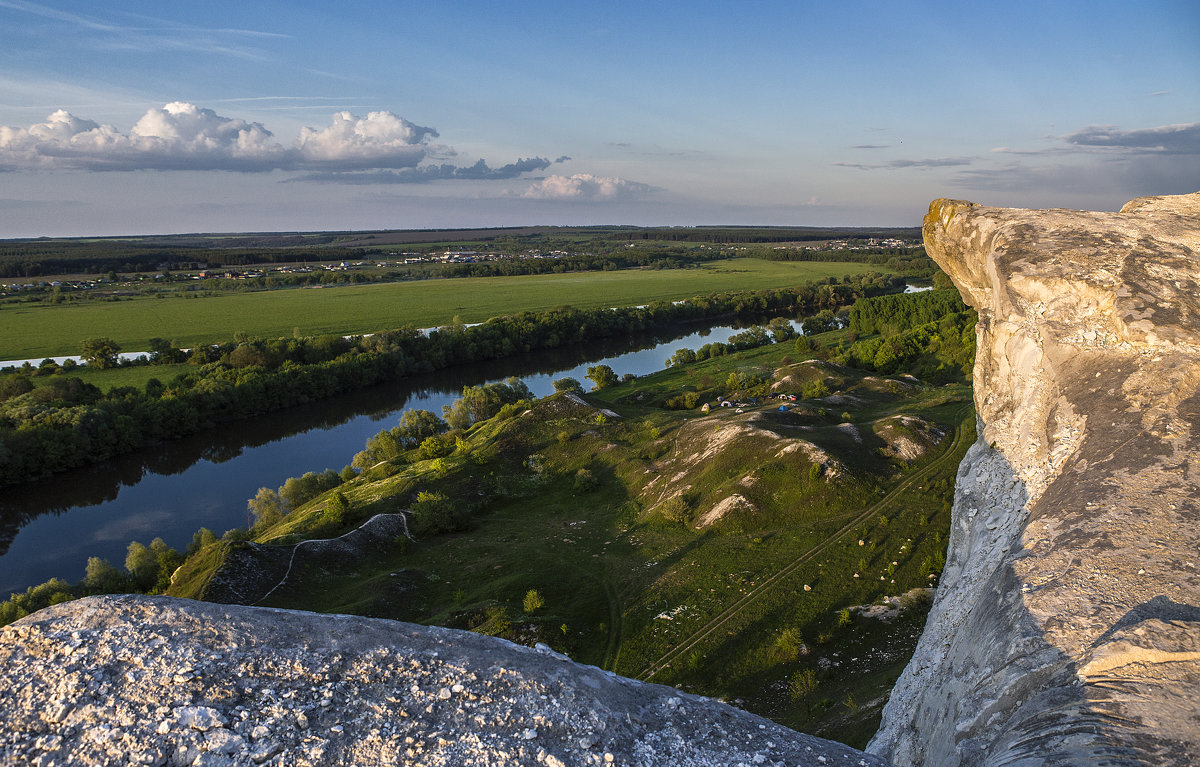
[131, 117]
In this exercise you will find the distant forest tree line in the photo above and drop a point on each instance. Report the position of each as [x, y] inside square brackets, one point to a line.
[66, 423]
[45, 256]
[766, 234]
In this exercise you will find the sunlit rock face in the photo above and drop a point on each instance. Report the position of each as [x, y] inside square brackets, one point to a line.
[158, 681]
[1066, 629]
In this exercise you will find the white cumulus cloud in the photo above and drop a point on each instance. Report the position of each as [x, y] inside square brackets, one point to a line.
[380, 140]
[183, 136]
[585, 186]
[177, 136]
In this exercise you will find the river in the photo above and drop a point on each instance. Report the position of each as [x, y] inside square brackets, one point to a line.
[49, 528]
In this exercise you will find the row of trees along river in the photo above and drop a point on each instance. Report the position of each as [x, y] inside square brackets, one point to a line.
[50, 527]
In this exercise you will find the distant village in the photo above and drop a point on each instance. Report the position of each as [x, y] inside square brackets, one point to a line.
[196, 272]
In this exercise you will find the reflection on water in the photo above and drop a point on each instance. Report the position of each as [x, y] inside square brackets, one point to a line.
[50, 528]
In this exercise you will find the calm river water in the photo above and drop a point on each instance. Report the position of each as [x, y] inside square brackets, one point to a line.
[50, 528]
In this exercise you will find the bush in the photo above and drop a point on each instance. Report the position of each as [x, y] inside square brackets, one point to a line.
[802, 684]
[585, 481]
[815, 390]
[336, 509]
[533, 601]
[433, 513]
[675, 510]
[788, 645]
[436, 447]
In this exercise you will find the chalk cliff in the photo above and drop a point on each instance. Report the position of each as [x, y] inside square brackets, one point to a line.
[1066, 629]
[161, 681]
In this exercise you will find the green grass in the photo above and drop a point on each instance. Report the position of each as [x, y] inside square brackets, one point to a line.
[33, 331]
[609, 565]
[111, 378]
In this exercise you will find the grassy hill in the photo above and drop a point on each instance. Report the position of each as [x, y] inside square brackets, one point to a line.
[775, 552]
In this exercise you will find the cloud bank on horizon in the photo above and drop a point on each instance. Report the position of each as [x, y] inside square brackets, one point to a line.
[381, 148]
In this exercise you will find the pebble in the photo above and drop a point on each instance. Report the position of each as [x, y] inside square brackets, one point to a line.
[199, 717]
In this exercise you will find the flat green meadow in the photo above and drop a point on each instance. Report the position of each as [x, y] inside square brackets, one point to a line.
[31, 331]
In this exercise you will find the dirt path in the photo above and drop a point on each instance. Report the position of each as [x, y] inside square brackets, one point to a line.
[350, 543]
[737, 607]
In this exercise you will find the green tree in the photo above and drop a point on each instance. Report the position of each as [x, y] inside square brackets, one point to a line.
[568, 384]
[101, 577]
[201, 538]
[602, 376]
[681, 357]
[169, 561]
[265, 507]
[416, 425]
[99, 352]
[163, 352]
[297, 491]
[142, 565]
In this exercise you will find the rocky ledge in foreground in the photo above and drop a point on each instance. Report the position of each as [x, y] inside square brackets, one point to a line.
[159, 681]
[1066, 629]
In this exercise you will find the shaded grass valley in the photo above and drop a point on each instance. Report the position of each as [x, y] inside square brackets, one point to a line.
[777, 552]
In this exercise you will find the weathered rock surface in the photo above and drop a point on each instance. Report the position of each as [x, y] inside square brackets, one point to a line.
[161, 681]
[1066, 629]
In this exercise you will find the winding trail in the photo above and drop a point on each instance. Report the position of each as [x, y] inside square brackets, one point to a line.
[737, 607]
[328, 542]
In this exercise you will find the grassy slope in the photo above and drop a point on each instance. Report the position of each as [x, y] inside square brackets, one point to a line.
[31, 331]
[608, 565]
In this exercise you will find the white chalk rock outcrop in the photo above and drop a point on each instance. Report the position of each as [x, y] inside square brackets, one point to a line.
[160, 681]
[1066, 629]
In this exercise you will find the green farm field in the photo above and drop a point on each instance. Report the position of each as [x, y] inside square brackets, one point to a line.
[32, 331]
